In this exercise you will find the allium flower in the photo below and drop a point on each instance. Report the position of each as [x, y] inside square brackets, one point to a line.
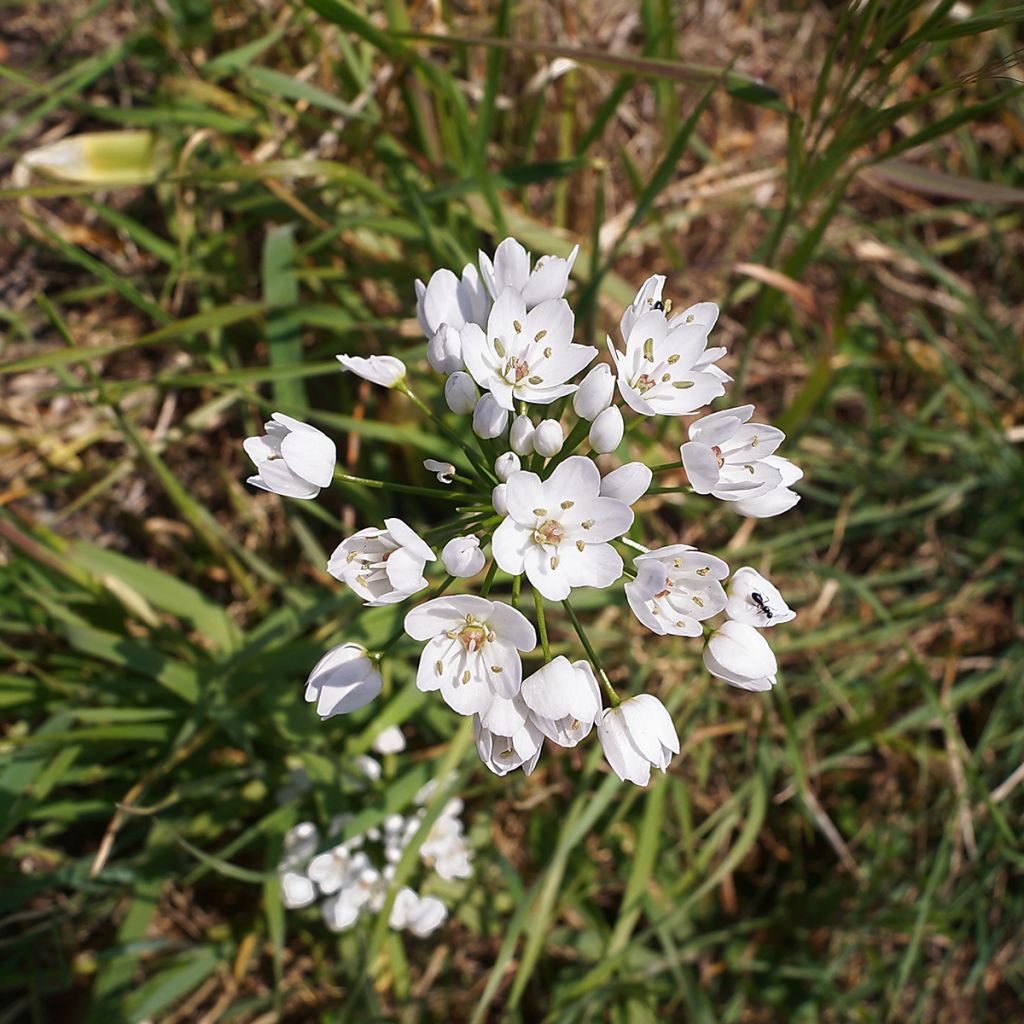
[489, 417]
[444, 350]
[636, 735]
[756, 601]
[676, 589]
[390, 741]
[511, 269]
[420, 915]
[727, 457]
[663, 371]
[293, 459]
[504, 754]
[520, 435]
[462, 557]
[505, 465]
[384, 370]
[342, 681]
[460, 393]
[606, 431]
[595, 392]
[444, 471]
[499, 499]
[565, 700]
[446, 299]
[382, 566]
[740, 655]
[558, 529]
[525, 356]
[548, 438]
[779, 499]
[628, 483]
[473, 650]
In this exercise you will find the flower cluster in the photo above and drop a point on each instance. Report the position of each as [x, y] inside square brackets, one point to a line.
[353, 875]
[537, 497]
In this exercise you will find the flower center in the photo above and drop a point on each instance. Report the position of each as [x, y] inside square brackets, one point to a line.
[549, 532]
[644, 383]
[516, 369]
[472, 636]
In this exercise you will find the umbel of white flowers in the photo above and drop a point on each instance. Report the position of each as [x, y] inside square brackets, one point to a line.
[533, 458]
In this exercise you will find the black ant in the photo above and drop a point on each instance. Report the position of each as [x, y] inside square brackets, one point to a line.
[762, 604]
[659, 305]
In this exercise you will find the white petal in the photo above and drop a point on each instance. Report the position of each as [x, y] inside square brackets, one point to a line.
[548, 691]
[408, 538]
[628, 483]
[742, 650]
[510, 544]
[577, 478]
[311, 455]
[550, 580]
[443, 613]
[512, 625]
[701, 466]
[597, 565]
[524, 493]
[625, 760]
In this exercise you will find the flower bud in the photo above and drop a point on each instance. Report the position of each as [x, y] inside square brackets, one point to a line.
[548, 438]
[460, 392]
[499, 501]
[444, 471]
[462, 557]
[489, 419]
[505, 465]
[342, 681]
[594, 394]
[384, 370]
[607, 430]
[521, 435]
[444, 350]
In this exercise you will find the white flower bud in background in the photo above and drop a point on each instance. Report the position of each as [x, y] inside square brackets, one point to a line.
[595, 392]
[389, 741]
[489, 419]
[443, 470]
[444, 350]
[548, 438]
[460, 393]
[607, 430]
[499, 501]
[462, 557]
[521, 435]
[505, 465]
[384, 370]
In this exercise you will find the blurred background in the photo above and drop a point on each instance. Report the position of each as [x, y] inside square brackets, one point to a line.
[845, 180]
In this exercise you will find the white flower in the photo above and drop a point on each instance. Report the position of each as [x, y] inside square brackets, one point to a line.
[565, 700]
[740, 655]
[499, 499]
[342, 910]
[779, 499]
[505, 465]
[727, 457]
[300, 843]
[384, 370]
[636, 735]
[382, 566]
[606, 431]
[389, 741]
[511, 269]
[296, 890]
[677, 588]
[648, 298]
[525, 356]
[444, 350]
[520, 435]
[462, 557]
[445, 847]
[444, 470]
[472, 654]
[420, 915]
[557, 530]
[339, 867]
[368, 767]
[489, 418]
[595, 392]
[504, 754]
[661, 372]
[460, 393]
[293, 459]
[628, 483]
[446, 299]
[342, 681]
[755, 600]
[548, 438]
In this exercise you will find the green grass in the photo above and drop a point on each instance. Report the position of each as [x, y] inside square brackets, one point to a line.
[846, 848]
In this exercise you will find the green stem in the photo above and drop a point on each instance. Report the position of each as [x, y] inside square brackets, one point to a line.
[542, 626]
[429, 492]
[666, 466]
[517, 583]
[592, 655]
[489, 580]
